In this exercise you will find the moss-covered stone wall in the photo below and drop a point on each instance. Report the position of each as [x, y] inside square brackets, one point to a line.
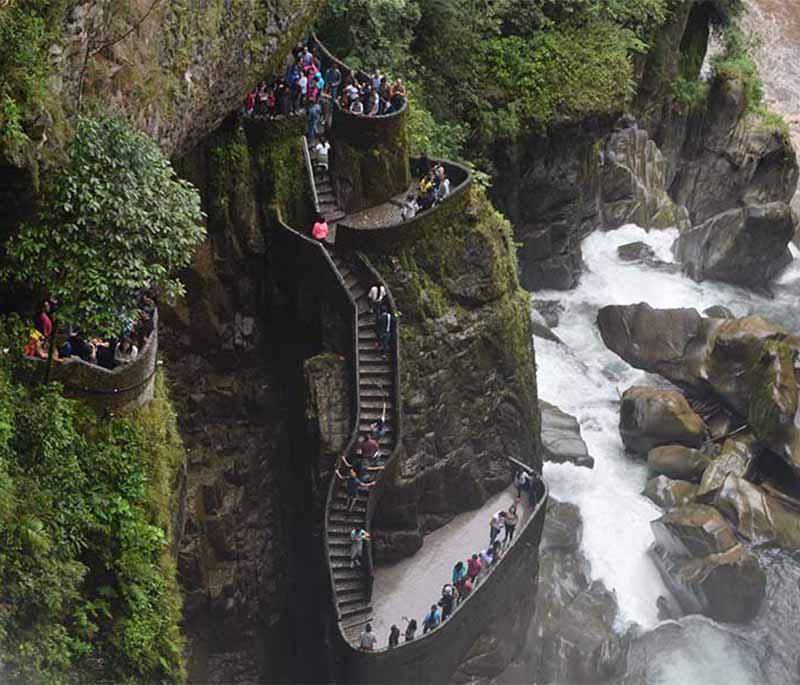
[468, 375]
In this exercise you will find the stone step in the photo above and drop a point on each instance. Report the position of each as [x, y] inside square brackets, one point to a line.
[324, 185]
[367, 335]
[352, 618]
[343, 518]
[347, 574]
[353, 625]
[353, 606]
[350, 587]
[358, 508]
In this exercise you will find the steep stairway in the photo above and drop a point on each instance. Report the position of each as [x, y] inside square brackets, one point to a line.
[378, 396]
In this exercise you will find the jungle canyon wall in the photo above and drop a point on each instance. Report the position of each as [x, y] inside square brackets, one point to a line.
[666, 162]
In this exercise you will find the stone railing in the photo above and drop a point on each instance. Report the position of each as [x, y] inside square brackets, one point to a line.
[124, 387]
[434, 656]
[369, 156]
[391, 238]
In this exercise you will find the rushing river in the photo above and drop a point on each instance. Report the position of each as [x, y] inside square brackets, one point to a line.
[586, 379]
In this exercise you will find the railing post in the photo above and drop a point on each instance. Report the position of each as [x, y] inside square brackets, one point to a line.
[311, 179]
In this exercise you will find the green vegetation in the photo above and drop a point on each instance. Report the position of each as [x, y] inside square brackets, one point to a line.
[116, 219]
[87, 585]
[492, 69]
[690, 94]
[25, 37]
[735, 64]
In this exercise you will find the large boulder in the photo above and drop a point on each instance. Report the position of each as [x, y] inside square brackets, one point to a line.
[756, 515]
[677, 461]
[650, 417]
[561, 438]
[694, 530]
[728, 587]
[668, 493]
[707, 571]
[736, 456]
[743, 246]
[745, 505]
[669, 342]
[774, 408]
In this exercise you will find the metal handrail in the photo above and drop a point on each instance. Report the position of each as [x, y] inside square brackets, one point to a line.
[312, 180]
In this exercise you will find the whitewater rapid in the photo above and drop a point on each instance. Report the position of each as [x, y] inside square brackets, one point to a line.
[585, 379]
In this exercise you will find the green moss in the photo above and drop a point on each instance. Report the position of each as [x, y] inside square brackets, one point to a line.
[89, 589]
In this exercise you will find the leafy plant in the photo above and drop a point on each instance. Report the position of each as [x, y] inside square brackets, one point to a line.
[116, 219]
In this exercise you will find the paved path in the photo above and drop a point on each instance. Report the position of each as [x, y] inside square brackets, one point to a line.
[409, 587]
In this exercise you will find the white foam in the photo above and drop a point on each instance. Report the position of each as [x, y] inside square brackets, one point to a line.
[585, 380]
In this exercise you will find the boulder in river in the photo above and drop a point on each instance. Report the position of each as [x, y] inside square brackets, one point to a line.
[746, 246]
[736, 456]
[635, 252]
[693, 530]
[677, 461]
[561, 438]
[541, 329]
[707, 571]
[650, 417]
[572, 637]
[728, 586]
[718, 311]
[669, 342]
[668, 493]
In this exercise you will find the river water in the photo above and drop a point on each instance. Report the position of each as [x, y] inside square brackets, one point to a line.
[586, 379]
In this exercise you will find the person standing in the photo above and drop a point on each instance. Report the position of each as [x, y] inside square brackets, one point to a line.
[496, 525]
[411, 629]
[459, 574]
[448, 601]
[333, 77]
[385, 322]
[432, 619]
[474, 567]
[394, 636]
[314, 114]
[510, 521]
[376, 296]
[320, 230]
[42, 321]
[357, 538]
[367, 639]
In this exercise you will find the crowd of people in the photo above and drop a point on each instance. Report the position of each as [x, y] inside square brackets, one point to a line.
[306, 86]
[71, 343]
[433, 188]
[468, 573]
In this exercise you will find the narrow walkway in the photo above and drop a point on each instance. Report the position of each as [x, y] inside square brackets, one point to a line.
[409, 587]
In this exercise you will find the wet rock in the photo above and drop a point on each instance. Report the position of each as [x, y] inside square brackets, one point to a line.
[388, 546]
[745, 505]
[551, 310]
[693, 530]
[669, 342]
[633, 186]
[650, 418]
[677, 461]
[774, 407]
[561, 438]
[727, 587]
[572, 638]
[541, 329]
[635, 252]
[668, 493]
[718, 311]
[736, 455]
[742, 246]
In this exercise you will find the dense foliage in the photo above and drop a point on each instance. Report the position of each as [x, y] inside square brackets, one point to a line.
[116, 219]
[28, 29]
[86, 582]
[481, 71]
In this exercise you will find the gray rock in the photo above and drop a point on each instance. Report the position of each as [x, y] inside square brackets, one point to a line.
[561, 438]
[742, 246]
[718, 311]
[541, 329]
[551, 310]
[736, 455]
[693, 530]
[668, 493]
[635, 252]
[650, 418]
[678, 462]
[728, 587]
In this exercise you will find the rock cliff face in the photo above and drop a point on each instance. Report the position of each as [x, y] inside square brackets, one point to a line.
[467, 374]
[660, 165]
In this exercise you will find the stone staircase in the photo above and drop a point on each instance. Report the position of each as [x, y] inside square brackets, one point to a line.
[376, 387]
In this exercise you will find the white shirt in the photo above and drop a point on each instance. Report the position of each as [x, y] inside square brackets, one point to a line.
[497, 520]
[376, 294]
[303, 83]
